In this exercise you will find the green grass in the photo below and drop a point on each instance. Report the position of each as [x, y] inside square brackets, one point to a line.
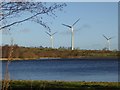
[61, 85]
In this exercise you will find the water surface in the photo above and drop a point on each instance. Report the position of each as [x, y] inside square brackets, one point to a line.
[64, 69]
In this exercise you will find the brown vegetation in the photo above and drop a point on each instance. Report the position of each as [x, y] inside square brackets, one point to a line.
[33, 52]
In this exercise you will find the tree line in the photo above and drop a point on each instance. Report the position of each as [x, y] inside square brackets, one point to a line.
[45, 52]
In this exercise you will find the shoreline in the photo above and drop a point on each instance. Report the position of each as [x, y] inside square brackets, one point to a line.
[62, 85]
[88, 57]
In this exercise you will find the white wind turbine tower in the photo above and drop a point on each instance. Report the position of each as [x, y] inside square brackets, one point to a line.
[72, 33]
[51, 38]
[108, 41]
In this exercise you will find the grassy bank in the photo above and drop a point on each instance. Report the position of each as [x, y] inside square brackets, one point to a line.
[62, 85]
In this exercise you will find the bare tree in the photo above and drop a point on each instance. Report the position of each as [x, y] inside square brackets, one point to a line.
[6, 80]
[12, 13]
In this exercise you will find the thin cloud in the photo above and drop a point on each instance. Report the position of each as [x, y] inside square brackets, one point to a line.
[84, 26]
[25, 30]
[65, 32]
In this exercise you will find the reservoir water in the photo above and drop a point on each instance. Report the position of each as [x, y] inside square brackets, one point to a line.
[63, 69]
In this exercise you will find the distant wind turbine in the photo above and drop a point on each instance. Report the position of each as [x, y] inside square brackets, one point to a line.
[51, 37]
[108, 41]
[72, 33]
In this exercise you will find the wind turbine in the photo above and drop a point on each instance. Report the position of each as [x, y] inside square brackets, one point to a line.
[51, 37]
[72, 33]
[108, 41]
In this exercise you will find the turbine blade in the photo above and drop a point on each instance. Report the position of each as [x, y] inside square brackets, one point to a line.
[105, 37]
[76, 22]
[66, 25]
[110, 38]
[48, 33]
[54, 33]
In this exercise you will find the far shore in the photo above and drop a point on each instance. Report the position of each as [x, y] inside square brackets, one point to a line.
[61, 85]
[60, 58]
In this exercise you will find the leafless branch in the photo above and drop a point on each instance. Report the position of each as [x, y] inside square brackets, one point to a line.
[11, 10]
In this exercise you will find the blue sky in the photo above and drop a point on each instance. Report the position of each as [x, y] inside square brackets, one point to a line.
[96, 19]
